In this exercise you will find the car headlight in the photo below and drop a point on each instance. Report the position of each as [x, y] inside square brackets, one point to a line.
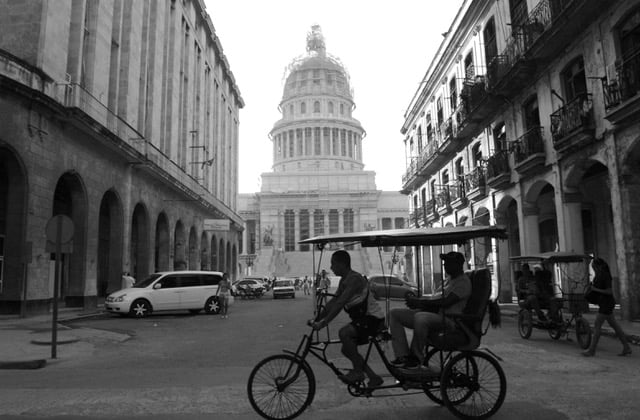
[120, 298]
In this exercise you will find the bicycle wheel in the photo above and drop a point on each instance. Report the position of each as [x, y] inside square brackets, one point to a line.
[281, 387]
[583, 333]
[435, 359]
[473, 385]
[525, 323]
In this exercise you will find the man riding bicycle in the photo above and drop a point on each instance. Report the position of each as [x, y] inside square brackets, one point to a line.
[366, 315]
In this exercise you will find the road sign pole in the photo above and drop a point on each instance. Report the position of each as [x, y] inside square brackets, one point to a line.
[56, 282]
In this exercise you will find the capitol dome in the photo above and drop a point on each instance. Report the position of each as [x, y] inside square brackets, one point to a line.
[317, 130]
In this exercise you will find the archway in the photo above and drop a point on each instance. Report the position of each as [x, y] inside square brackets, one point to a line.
[507, 215]
[540, 219]
[221, 259]
[204, 252]
[110, 226]
[69, 199]
[234, 263]
[228, 266]
[139, 242]
[193, 249]
[162, 245]
[481, 246]
[13, 199]
[179, 247]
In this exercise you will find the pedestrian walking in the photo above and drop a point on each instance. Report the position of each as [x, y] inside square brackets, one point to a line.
[602, 284]
[305, 285]
[224, 290]
[127, 280]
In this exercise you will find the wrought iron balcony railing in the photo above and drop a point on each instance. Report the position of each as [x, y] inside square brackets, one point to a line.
[574, 115]
[530, 143]
[626, 84]
[443, 197]
[498, 164]
[457, 190]
[475, 179]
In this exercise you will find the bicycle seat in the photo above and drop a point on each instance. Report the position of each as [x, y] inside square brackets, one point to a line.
[468, 331]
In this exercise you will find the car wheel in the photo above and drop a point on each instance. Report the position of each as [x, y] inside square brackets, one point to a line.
[212, 306]
[140, 308]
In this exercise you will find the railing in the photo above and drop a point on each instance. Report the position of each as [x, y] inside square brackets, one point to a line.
[430, 208]
[626, 84]
[530, 143]
[457, 190]
[498, 164]
[462, 112]
[576, 114]
[443, 196]
[539, 20]
[474, 90]
[446, 128]
[474, 179]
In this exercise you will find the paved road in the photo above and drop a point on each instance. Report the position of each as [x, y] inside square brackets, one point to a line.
[179, 366]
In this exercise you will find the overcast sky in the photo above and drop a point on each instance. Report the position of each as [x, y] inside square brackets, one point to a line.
[386, 46]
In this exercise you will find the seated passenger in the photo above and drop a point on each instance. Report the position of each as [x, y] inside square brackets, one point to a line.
[529, 291]
[545, 294]
[424, 315]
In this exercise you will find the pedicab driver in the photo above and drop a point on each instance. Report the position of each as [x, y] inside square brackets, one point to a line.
[366, 316]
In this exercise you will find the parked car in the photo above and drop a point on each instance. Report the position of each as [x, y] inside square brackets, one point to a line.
[263, 280]
[168, 291]
[250, 288]
[395, 288]
[284, 288]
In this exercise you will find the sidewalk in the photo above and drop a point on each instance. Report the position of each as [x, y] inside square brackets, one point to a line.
[631, 328]
[26, 342]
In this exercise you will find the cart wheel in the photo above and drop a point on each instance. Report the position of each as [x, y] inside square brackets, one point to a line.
[473, 385]
[583, 333]
[525, 323]
[436, 359]
[272, 395]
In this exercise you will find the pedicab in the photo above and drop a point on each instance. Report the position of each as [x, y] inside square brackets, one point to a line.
[568, 274]
[468, 380]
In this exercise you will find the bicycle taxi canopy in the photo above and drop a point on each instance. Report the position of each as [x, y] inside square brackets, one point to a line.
[553, 257]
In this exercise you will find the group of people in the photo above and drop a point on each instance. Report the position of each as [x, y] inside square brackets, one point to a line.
[425, 314]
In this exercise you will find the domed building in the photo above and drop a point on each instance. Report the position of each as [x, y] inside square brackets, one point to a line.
[318, 184]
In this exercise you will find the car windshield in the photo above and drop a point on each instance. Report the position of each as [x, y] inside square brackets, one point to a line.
[146, 282]
[283, 283]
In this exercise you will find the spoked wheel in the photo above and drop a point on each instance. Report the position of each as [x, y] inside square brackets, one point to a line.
[281, 387]
[525, 323]
[473, 385]
[212, 306]
[583, 333]
[435, 359]
[140, 308]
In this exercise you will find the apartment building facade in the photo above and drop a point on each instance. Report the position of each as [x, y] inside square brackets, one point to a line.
[124, 117]
[527, 117]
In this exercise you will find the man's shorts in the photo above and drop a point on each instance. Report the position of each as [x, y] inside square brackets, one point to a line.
[367, 327]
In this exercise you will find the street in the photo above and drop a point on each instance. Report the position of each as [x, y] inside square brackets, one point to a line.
[181, 366]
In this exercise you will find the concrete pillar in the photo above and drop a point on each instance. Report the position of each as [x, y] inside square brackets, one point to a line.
[325, 216]
[529, 228]
[296, 228]
[340, 220]
[571, 236]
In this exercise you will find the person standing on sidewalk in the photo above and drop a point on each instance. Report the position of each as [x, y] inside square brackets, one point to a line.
[602, 284]
[127, 280]
[224, 290]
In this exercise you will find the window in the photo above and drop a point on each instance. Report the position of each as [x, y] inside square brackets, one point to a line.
[500, 137]
[453, 93]
[307, 140]
[439, 111]
[316, 107]
[429, 129]
[476, 152]
[326, 140]
[459, 168]
[518, 9]
[574, 80]
[299, 142]
[469, 69]
[210, 279]
[445, 177]
[341, 109]
[350, 144]
[347, 221]
[419, 139]
[490, 42]
[303, 108]
[317, 143]
[531, 114]
[343, 142]
[291, 144]
[330, 108]
[304, 228]
[336, 133]
[333, 221]
[291, 110]
[289, 231]
[318, 222]
[629, 34]
[386, 225]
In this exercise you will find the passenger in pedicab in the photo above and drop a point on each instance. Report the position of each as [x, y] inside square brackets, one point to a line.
[530, 292]
[425, 315]
[367, 317]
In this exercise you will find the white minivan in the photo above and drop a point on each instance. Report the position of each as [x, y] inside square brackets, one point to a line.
[168, 291]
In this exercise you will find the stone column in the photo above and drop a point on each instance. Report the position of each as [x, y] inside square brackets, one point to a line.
[325, 223]
[571, 237]
[340, 220]
[296, 228]
[529, 229]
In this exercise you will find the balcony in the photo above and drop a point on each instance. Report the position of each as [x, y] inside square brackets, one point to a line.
[457, 194]
[475, 184]
[554, 24]
[476, 106]
[511, 71]
[528, 152]
[443, 200]
[430, 211]
[449, 143]
[420, 166]
[415, 217]
[498, 170]
[573, 125]
[621, 99]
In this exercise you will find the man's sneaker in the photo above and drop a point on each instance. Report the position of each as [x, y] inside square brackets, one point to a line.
[352, 377]
[375, 382]
[408, 361]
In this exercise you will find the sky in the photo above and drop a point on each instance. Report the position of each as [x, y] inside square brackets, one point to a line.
[386, 46]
